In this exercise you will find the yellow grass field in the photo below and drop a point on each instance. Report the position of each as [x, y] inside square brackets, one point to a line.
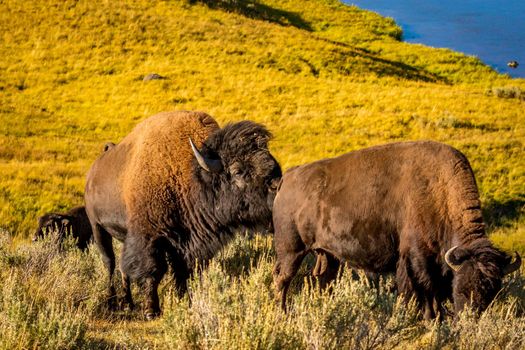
[324, 77]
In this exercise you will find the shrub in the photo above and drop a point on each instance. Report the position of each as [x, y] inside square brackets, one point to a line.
[507, 92]
[31, 314]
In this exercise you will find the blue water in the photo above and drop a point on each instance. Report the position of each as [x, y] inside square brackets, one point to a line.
[493, 30]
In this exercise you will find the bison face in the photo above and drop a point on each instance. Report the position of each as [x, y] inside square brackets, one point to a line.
[239, 174]
[60, 224]
[478, 275]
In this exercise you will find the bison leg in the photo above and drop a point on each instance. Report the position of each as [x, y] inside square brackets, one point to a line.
[143, 259]
[290, 251]
[127, 302]
[83, 240]
[152, 298]
[104, 244]
[285, 269]
[408, 286]
[404, 278]
[443, 293]
[181, 273]
[428, 307]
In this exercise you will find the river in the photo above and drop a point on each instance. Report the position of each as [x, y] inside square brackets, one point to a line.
[493, 30]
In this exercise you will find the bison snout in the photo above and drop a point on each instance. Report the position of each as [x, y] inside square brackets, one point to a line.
[274, 184]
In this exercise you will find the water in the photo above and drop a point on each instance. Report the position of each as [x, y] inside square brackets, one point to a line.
[493, 30]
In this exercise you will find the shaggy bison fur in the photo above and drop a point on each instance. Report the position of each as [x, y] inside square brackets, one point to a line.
[174, 191]
[74, 222]
[411, 208]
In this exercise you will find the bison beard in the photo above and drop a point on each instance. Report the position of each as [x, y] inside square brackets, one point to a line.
[172, 203]
[411, 208]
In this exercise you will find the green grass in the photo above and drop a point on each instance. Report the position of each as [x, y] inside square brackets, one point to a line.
[324, 77]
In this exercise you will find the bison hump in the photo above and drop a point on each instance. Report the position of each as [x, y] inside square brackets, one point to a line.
[161, 160]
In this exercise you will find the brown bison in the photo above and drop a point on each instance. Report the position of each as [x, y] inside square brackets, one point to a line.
[74, 222]
[411, 208]
[171, 203]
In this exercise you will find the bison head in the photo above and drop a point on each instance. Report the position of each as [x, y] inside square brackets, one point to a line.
[478, 272]
[52, 222]
[239, 176]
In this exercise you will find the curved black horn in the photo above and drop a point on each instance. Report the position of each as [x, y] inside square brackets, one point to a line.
[210, 165]
[453, 266]
[511, 267]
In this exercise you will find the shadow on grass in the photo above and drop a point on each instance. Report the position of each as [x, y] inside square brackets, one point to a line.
[103, 332]
[497, 213]
[385, 67]
[255, 10]
[373, 64]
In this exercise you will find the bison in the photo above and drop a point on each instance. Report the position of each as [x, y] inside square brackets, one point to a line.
[74, 222]
[174, 191]
[411, 208]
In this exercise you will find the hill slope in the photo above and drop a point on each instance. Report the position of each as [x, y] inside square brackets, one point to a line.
[326, 78]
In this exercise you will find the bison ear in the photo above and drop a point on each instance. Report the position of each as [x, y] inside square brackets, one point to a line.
[55, 217]
[456, 256]
[210, 165]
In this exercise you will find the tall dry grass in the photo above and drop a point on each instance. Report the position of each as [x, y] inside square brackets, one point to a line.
[54, 299]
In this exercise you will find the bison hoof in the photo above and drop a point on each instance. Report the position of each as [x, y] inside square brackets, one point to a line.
[112, 303]
[126, 306]
[151, 315]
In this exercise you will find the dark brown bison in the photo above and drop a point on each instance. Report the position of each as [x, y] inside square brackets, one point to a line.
[74, 222]
[411, 208]
[171, 203]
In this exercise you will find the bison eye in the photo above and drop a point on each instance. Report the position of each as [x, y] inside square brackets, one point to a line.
[236, 172]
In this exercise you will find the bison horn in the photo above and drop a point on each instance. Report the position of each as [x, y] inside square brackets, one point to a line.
[210, 165]
[453, 266]
[511, 267]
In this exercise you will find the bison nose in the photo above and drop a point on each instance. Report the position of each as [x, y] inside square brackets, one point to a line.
[274, 184]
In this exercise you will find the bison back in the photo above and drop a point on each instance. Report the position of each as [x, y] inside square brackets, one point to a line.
[145, 174]
[363, 206]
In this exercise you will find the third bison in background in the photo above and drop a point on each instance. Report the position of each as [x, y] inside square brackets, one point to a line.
[411, 208]
[74, 222]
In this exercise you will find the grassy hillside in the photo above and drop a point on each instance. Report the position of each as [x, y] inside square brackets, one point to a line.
[324, 77]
